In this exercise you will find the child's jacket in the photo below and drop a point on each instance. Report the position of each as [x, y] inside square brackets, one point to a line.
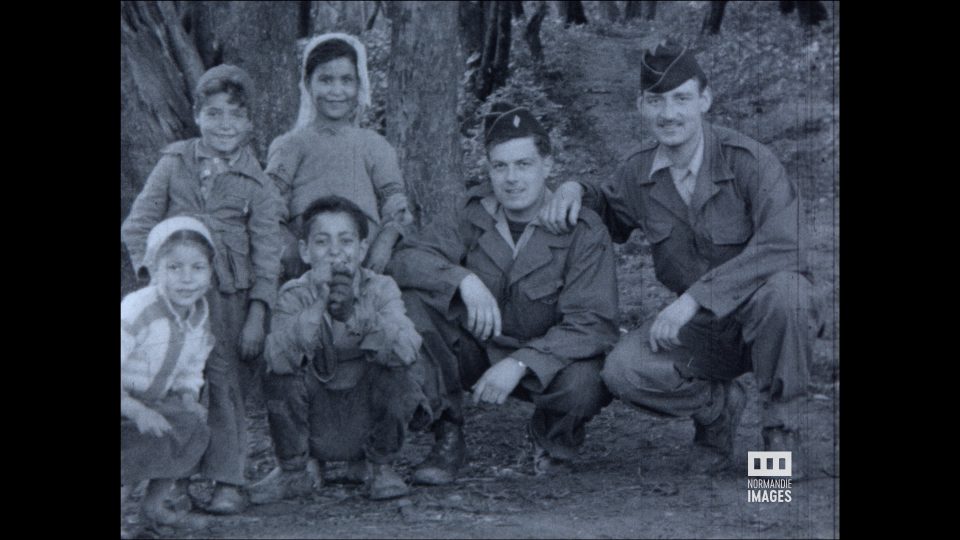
[236, 201]
[378, 329]
[159, 351]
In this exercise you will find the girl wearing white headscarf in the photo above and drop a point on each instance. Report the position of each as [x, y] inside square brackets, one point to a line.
[327, 153]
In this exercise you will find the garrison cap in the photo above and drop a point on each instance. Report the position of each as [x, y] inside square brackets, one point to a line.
[667, 67]
[507, 121]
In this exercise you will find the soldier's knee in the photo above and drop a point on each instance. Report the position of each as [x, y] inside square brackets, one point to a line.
[785, 295]
[617, 368]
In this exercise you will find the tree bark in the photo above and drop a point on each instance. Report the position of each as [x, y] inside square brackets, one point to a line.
[711, 23]
[532, 33]
[422, 110]
[632, 9]
[517, 9]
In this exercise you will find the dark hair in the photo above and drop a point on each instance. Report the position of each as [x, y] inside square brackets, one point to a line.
[238, 95]
[334, 205]
[327, 51]
[185, 236]
[542, 143]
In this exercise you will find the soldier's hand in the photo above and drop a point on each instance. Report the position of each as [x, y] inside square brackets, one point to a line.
[498, 381]
[483, 314]
[560, 213]
[340, 299]
[665, 331]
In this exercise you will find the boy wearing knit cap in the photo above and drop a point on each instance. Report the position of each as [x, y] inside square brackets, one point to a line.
[217, 179]
[723, 220]
[507, 308]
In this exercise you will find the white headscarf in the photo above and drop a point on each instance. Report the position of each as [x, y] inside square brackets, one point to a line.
[164, 230]
[308, 109]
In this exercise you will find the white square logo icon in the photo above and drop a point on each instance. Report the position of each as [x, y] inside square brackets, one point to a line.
[769, 464]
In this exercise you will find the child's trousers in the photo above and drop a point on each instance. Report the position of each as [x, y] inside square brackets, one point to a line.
[368, 420]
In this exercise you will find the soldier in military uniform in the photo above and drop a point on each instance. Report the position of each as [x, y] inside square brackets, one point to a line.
[508, 308]
[722, 219]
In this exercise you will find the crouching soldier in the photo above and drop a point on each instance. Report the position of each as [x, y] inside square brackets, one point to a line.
[507, 308]
[339, 386]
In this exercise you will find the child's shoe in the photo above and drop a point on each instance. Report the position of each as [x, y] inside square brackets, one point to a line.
[385, 483]
[227, 499]
[280, 485]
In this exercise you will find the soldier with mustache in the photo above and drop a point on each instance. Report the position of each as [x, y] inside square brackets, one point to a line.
[723, 221]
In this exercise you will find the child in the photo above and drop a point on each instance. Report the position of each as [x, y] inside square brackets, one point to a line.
[339, 385]
[165, 339]
[327, 154]
[217, 179]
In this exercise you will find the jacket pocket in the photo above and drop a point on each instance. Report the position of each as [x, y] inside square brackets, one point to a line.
[732, 230]
[545, 293]
[657, 231]
[238, 257]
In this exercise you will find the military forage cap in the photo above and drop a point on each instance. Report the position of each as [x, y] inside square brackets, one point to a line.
[667, 67]
[507, 121]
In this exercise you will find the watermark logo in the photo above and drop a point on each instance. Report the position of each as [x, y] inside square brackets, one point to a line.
[769, 464]
[769, 477]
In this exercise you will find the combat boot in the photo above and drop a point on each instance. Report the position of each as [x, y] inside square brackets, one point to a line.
[445, 458]
[713, 443]
[385, 483]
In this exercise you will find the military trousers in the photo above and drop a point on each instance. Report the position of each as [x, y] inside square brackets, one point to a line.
[770, 334]
[453, 360]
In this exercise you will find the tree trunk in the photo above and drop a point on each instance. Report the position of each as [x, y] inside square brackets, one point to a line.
[572, 12]
[472, 26]
[422, 111]
[632, 9]
[786, 6]
[495, 62]
[532, 33]
[517, 9]
[711, 23]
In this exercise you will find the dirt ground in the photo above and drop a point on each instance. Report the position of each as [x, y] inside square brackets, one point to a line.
[630, 479]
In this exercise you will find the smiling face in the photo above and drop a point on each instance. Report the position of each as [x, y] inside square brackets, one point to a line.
[518, 174]
[334, 87]
[224, 126]
[184, 273]
[675, 117]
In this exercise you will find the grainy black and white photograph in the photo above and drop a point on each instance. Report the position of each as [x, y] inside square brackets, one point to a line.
[479, 269]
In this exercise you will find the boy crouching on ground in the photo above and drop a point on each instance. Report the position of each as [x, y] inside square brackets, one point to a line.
[339, 386]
